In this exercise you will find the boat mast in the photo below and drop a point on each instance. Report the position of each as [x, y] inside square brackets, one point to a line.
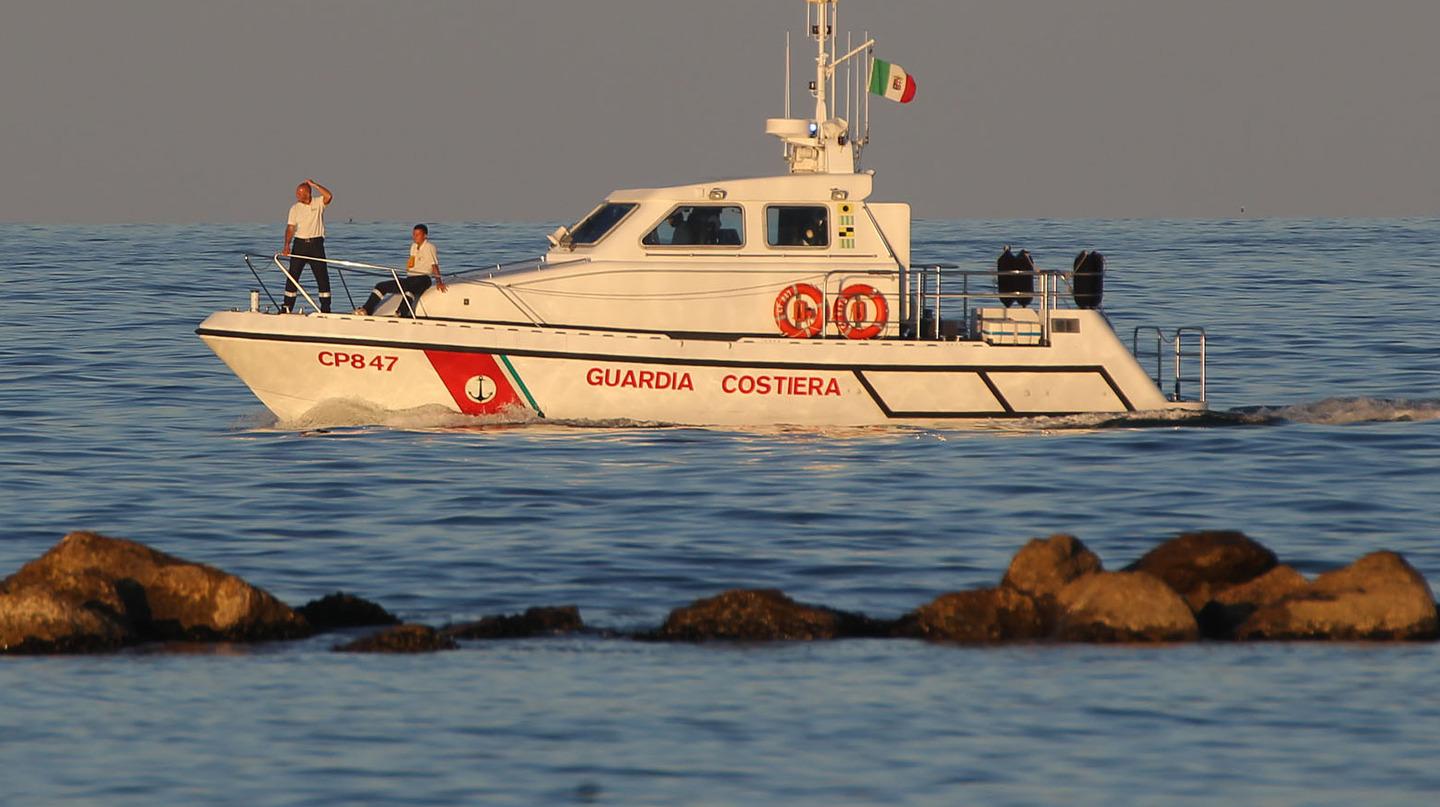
[822, 29]
[824, 144]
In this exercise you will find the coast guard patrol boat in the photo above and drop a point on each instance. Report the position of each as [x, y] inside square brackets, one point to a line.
[786, 299]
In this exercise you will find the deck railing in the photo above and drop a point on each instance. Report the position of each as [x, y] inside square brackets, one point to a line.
[1184, 347]
[359, 267]
[926, 289]
[927, 292]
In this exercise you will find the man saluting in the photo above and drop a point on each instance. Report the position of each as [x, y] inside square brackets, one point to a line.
[305, 242]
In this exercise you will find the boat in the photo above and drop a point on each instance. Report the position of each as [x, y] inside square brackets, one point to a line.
[782, 299]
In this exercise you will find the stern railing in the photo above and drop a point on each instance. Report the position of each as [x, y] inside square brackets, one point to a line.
[927, 288]
[1183, 346]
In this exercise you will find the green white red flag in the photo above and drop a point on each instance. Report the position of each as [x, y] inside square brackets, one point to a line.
[891, 81]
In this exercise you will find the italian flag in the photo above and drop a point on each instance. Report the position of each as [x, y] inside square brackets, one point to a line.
[891, 81]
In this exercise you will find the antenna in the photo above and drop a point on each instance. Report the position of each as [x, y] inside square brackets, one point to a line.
[869, 68]
[787, 74]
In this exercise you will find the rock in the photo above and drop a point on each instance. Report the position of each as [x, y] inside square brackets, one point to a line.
[36, 621]
[1199, 565]
[761, 615]
[1378, 597]
[540, 621]
[987, 615]
[1123, 607]
[401, 639]
[1044, 566]
[1231, 607]
[163, 597]
[341, 610]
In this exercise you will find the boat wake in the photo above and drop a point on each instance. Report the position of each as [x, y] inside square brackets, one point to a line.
[1325, 412]
[353, 415]
[1342, 411]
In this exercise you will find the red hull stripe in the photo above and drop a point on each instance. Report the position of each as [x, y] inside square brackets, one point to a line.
[475, 381]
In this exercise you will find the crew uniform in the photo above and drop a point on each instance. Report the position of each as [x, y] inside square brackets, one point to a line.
[416, 281]
[308, 246]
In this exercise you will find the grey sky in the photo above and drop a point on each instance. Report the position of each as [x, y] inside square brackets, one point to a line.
[533, 109]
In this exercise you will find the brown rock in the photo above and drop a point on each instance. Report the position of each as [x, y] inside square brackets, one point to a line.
[341, 610]
[1123, 607]
[1200, 565]
[1378, 597]
[1221, 616]
[761, 615]
[987, 615]
[162, 596]
[540, 621]
[401, 639]
[36, 621]
[1044, 566]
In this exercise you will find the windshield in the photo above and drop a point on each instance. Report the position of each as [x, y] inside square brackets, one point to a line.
[598, 224]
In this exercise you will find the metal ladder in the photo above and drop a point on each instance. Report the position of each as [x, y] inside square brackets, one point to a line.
[1186, 348]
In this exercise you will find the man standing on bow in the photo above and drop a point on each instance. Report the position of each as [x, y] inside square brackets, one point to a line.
[305, 242]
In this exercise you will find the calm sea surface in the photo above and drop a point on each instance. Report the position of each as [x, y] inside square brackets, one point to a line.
[114, 417]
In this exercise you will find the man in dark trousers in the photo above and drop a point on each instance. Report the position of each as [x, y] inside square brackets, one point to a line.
[305, 242]
[423, 266]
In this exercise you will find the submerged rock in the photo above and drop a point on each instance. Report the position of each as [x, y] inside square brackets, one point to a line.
[1123, 607]
[985, 615]
[1221, 616]
[36, 621]
[341, 610]
[539, 621]
[762, 615]
[1378, 597]
[1044, 566]
[159, 596]
[401, 639]
[1199, 565]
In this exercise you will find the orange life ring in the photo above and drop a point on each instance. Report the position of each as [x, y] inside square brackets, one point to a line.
[852, 310]
[800, 311]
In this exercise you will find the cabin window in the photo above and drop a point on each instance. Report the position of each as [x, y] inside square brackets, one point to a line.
[699, 226]
[599, 223]
[797, 226]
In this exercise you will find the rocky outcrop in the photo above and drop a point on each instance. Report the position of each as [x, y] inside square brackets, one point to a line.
[401, 639]
[1199, 565]
[1045, 566]
[759, 615]
[35, 621]
[1223, 615]
[157, 596]
[1123, 607]
[539, 621]
[982, 616]
[341, 610]
[1379, 597]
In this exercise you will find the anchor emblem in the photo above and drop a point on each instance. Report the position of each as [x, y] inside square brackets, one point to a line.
[481, 389]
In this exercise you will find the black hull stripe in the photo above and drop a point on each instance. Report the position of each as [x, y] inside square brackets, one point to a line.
[982, 370]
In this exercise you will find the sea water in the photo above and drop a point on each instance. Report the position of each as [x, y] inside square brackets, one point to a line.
[1324, 370]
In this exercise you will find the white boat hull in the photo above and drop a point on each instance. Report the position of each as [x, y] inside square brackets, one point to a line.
[294, 363]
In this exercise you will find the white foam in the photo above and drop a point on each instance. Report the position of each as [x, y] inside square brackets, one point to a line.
[1342, 411]
[353, 414]
[350, 413]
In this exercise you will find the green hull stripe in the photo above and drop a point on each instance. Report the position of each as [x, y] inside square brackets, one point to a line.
[518, 380]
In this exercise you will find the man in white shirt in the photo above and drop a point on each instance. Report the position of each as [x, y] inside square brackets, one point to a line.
[305, 242]
[423, 265]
